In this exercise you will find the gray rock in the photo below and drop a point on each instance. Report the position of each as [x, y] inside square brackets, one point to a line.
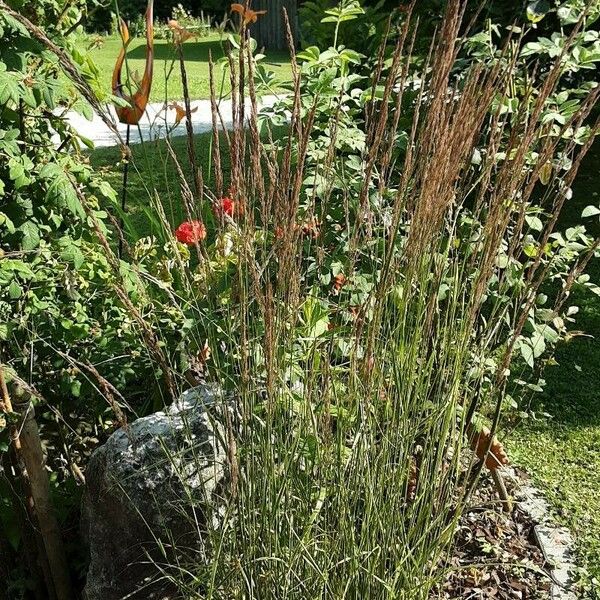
[151, 490]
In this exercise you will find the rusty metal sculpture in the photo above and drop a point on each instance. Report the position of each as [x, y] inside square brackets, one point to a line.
[137, 101]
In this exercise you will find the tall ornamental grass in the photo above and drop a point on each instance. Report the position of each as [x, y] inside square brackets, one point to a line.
[349, 455]
[354, 386]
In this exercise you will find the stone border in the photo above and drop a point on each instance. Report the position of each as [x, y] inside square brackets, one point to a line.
[555, 542]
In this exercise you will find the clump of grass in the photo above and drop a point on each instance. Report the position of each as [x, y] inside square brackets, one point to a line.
[353, 467]
[353, 472]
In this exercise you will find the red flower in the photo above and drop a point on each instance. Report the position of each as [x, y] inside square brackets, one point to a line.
[228, 206]
[190, 232]
[310, 228]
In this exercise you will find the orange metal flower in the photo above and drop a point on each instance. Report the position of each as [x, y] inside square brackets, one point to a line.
[496, 457]
[138, 101]
[180, 34]
[180, 112]
[248, 15]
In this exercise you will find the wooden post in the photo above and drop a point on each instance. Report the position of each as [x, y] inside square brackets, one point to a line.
[27, 444]
[270, 30]
[507, 505]
[32, 551]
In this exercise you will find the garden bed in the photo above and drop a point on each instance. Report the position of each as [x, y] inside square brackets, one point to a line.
[501, 555]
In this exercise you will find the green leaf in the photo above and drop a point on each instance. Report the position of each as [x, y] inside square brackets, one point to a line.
[15, 25]
[590, 211]
[9, 88]
[351, 56]
[7, 223]
[72, 253]
[87, 142]
[14, 290]
[31, 235]
[75, 388]
[536, 11]
[61, 193]
[316, 318]
[107, 190]
[50, 171]
[527, 353]
[546, 173]
[534, 223]
[17, 266]
[310, 54]
[538, 344]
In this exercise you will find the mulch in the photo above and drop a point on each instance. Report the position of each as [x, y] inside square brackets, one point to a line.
[495, 554]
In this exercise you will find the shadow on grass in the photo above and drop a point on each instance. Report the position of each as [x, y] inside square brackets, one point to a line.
[562, 453]
[193, 51]
[199, 51]
[572, 393]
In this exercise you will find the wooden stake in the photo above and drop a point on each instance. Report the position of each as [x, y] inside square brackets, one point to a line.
[32, 551]
[29, 450]
[507, 504]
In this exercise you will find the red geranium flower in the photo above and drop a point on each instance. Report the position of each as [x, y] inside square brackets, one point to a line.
[228, 206]
[190, 232]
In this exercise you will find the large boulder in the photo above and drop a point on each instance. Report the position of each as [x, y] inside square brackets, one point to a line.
[153, 488]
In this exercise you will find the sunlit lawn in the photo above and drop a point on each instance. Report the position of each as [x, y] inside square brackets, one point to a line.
[196, 52]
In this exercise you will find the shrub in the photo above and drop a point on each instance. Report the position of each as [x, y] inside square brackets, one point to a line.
[64, 330]
[100, 11]
[338, 79]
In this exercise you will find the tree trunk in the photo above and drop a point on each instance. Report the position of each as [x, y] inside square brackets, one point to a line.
[270, 29]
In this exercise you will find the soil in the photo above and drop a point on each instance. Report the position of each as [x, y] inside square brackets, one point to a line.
[495, 555]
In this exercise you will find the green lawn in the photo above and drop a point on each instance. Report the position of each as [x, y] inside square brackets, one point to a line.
[152, 169]
[562, 453]
[196, 52]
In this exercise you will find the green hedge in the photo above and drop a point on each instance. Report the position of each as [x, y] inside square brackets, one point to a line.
[100, 14]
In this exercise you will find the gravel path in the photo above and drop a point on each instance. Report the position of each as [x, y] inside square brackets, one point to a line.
[155, 122]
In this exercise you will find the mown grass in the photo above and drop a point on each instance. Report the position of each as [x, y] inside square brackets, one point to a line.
[196, 54]
[153, 170]
[561, 453]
